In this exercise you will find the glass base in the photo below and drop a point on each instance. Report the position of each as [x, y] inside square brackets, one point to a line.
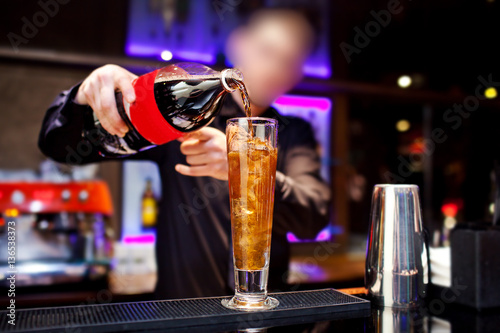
[237, 303]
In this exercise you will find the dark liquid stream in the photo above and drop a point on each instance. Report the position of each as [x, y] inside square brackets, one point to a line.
[246, 103]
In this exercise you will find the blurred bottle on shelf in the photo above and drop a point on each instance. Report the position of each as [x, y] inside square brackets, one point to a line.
[149, 207]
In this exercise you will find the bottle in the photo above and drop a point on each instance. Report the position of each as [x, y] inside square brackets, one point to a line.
[149, 207]
[170, 102]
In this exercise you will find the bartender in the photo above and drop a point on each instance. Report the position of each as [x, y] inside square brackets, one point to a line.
[194, 229]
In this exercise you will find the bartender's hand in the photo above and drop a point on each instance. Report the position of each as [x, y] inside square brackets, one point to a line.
[206, 154]
[98, 91]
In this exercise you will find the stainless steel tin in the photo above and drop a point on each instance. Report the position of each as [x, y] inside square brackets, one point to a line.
[396, 261]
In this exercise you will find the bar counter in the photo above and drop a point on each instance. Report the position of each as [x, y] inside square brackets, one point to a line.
[325, 310]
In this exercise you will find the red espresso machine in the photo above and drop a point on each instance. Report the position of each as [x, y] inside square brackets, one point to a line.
[62, 232]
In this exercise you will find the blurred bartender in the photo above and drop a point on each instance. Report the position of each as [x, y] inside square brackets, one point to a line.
[193, 239]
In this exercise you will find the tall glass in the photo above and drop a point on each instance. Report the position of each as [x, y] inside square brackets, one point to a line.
[251, 154]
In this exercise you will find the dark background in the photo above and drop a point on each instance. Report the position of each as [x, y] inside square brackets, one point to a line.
[449, 42]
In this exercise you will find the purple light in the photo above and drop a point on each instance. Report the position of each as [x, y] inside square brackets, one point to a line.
[139, 239]
[195, 56]
[151, 51]
[139, 50]
[323, 104]
[142, 50]
[291, 237]
[323, 236]
[313, 271]
[317, 71]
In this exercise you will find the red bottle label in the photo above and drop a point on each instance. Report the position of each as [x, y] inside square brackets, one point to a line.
[144, 113]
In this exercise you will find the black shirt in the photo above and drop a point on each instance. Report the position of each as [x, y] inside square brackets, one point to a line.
[193, 229]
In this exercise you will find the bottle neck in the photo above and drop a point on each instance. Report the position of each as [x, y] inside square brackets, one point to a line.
[230, 77]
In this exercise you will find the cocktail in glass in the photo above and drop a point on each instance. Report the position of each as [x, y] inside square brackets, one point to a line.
[252, 155]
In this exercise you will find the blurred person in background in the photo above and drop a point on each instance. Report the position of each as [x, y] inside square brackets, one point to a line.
[193, 243]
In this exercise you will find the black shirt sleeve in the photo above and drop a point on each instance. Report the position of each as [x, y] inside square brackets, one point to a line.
[61, 133]
[302, 197]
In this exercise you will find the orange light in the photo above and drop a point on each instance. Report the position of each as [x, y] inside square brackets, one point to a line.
[449, 209]
[12, 212]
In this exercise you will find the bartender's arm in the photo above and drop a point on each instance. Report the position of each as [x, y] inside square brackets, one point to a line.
[61, 133]
[301, 196]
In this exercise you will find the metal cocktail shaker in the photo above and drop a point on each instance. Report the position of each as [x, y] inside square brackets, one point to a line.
[396, 261]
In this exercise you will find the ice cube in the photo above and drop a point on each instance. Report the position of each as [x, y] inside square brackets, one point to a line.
[237, 138]
[257, 149]
[240, 208]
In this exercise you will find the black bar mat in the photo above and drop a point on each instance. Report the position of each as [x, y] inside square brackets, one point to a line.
[327, 304]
